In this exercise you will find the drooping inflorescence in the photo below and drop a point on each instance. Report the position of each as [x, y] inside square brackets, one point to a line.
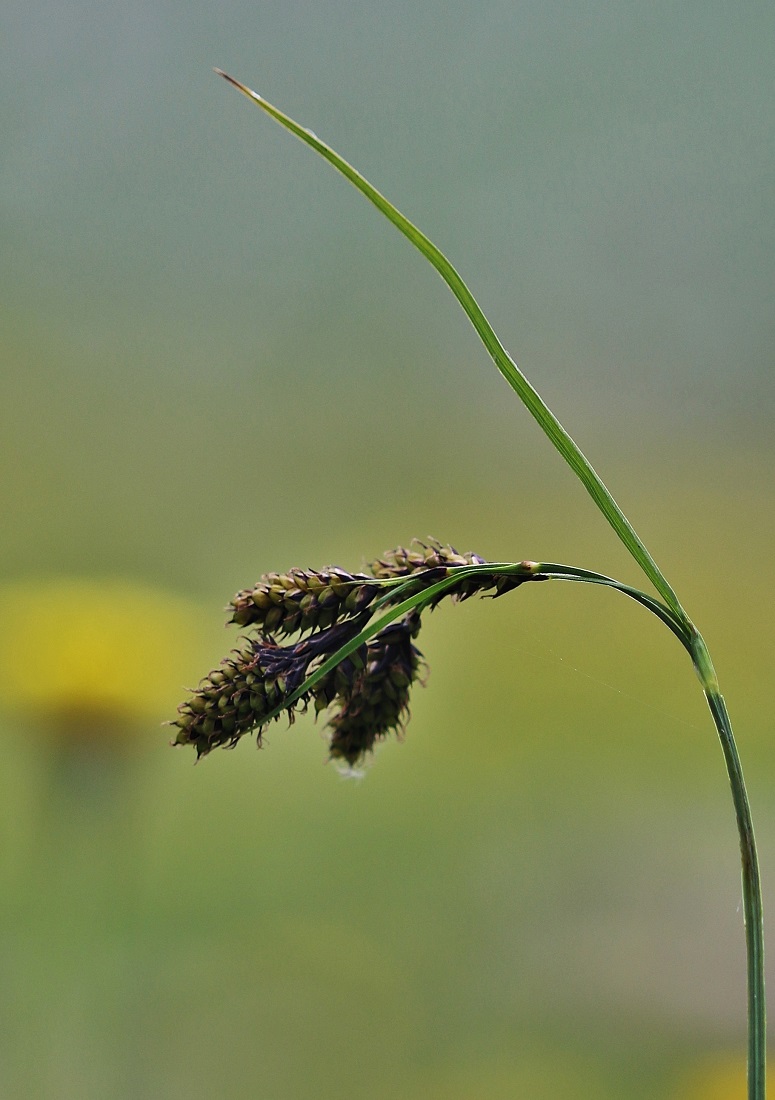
[378, 700]
[368, 690]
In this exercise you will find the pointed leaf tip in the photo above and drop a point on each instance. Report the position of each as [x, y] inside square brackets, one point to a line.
[238, 84]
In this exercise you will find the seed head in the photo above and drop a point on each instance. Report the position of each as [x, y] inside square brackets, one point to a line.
[431, 562]
[229, 702]
[402, 562]
[329, 608]
[302, 600]
[378, 701]
[256, 680]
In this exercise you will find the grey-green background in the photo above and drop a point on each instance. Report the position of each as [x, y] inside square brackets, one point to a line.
[217, 360]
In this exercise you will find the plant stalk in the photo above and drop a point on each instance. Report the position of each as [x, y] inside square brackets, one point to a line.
[751, 880]
[695, 645]
[528, 395]
[671, 612]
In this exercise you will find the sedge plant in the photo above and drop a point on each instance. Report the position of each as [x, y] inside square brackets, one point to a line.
[354, 653]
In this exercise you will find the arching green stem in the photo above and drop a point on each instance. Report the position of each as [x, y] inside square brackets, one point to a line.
[532, 400]
[670, 612]
[752, 890]
[695, 646]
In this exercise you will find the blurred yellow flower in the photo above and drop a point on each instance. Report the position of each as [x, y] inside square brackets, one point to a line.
[537, 1075]
[717, 1079]
[81, 655]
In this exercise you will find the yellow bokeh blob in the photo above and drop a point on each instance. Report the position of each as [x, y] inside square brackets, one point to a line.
[112, 651]
[716, 1079]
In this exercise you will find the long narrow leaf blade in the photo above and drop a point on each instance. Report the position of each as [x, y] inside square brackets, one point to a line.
[503, 361]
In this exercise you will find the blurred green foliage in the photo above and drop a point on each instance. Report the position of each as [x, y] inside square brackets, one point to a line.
[218, 362]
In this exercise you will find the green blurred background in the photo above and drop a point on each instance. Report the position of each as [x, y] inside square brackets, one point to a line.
[217, 361]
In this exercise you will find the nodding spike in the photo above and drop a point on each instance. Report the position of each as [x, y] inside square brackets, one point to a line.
[327, 609]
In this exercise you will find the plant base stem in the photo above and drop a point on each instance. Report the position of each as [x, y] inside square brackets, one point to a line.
[751, 881]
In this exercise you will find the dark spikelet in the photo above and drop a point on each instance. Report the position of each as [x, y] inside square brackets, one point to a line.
[230, 701]
[251, 682]
[378, 700]
[302, 600]
[402, 562]
[329, 608]
[433, 562]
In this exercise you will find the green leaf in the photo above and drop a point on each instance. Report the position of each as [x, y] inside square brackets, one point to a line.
[503, 361]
